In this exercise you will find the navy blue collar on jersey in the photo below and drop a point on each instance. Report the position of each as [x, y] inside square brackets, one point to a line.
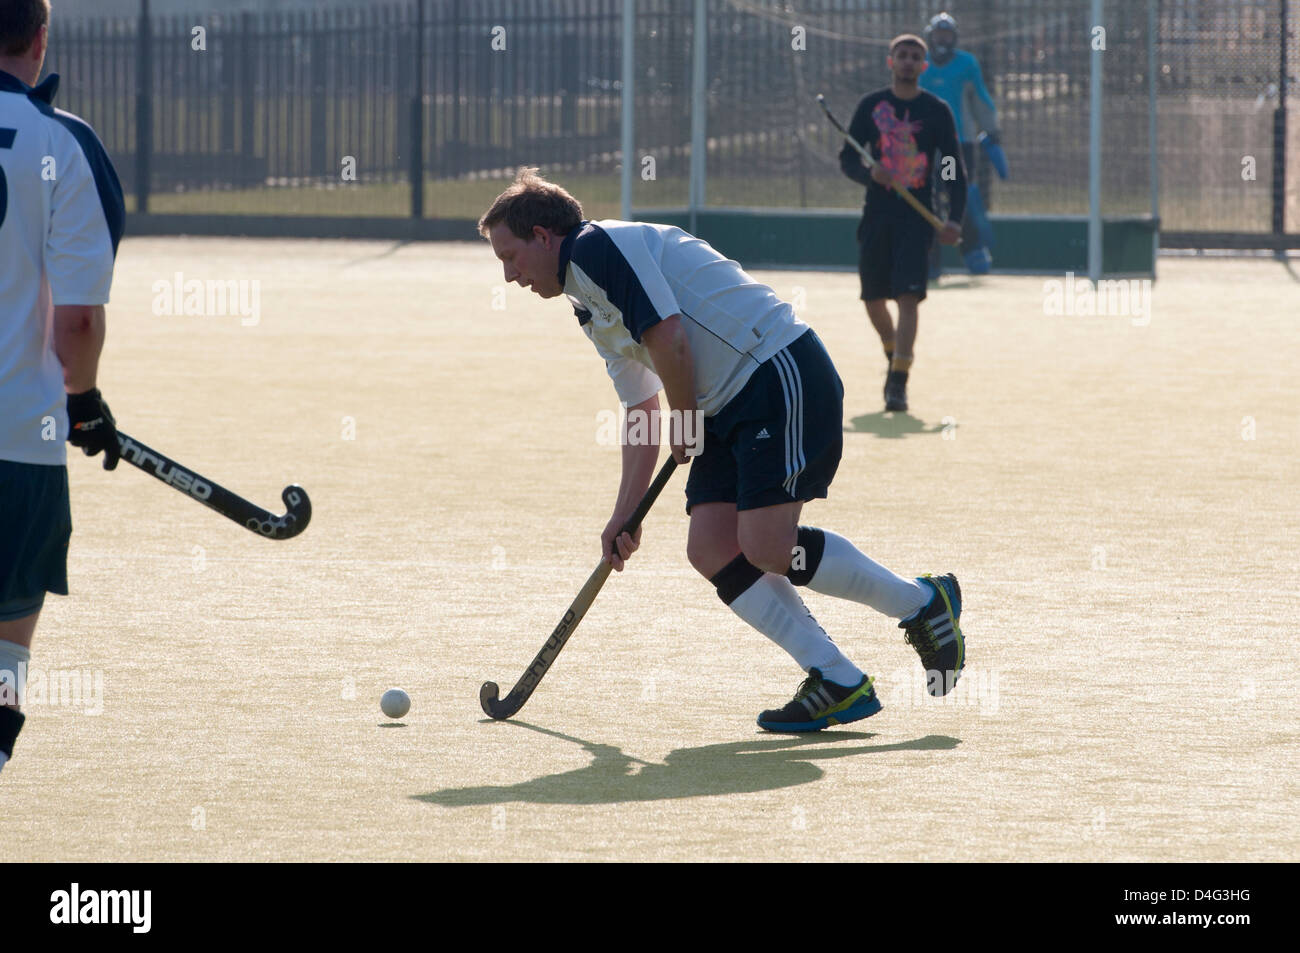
[44, 91]
[566, 250]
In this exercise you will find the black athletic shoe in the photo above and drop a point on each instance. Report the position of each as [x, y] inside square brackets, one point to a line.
[11, 722]
[896, 390]
[936, 634]
[819, 704]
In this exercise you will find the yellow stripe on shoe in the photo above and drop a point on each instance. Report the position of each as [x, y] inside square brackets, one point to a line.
[862, 692]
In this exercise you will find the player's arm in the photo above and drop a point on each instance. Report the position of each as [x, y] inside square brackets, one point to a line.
[638, 391]
[985, 114]
[622, 267]
[863, 129]
[671, 353]
[988, 117]
[949, 147]
[86, 215]
[78, 340]
[640, 454]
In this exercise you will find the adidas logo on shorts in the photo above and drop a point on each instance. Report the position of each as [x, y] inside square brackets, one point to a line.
[762, 434]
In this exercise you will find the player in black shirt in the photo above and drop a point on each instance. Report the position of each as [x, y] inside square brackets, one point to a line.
[906, 129]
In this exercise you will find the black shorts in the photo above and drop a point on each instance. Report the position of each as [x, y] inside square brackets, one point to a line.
[894, 254]
[780, 439]
[35, 525]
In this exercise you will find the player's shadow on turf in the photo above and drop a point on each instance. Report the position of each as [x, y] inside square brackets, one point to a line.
[737, 767]
[891, 425]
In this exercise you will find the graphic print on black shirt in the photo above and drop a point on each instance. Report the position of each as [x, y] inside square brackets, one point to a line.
[904, 135]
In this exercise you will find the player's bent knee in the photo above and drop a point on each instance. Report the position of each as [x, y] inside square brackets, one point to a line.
[708, 556]
[768, 547]
[768, 557]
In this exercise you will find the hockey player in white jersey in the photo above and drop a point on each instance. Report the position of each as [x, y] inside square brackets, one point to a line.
[668, 312]
[61, 216]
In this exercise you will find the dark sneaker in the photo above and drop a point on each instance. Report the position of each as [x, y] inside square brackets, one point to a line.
[11, 722]
[936, 635]
[819, 704]
[896, 391]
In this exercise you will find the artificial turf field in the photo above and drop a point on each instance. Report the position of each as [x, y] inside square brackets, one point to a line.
[1117, 497]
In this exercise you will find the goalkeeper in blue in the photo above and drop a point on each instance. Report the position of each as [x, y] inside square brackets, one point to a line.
[955, 77]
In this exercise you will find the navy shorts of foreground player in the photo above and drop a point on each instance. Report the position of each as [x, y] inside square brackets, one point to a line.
[777, 441]
[35, 525]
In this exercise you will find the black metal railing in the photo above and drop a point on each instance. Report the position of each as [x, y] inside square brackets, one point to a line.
[410, 109]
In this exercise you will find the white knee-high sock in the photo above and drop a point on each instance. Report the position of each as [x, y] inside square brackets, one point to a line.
[772, 605]
[14, 659]
[845, 572]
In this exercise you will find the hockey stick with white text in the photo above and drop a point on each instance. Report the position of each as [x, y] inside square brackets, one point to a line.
[251, 516]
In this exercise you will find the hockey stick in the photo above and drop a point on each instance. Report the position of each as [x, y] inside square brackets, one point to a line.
[905, 194]
[251, 516]
[488, 695]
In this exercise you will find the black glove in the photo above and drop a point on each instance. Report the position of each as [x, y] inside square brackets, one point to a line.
[92, 427]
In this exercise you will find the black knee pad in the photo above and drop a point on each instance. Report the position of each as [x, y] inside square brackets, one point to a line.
[811, 543]
[734, 578]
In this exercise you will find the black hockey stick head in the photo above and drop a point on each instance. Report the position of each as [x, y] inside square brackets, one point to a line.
[252, 517]
[295, 519]
[493, 707]
[821, 101]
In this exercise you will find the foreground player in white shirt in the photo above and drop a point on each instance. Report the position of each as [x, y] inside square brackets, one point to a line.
[61, 217]
[668, 312]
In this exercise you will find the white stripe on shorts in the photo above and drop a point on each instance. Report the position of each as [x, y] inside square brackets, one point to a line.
[786, 392]
[792, 385]
[798, 383]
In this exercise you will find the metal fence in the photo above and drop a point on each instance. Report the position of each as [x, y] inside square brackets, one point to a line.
[419, 109]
